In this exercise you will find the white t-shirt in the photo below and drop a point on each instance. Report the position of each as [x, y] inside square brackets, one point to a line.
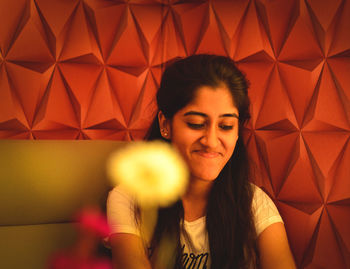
[120, 214]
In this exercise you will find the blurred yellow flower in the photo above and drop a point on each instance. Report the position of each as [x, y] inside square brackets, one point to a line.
[151, 171]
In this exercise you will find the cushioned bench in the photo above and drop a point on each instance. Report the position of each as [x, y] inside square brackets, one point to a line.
[42, 184]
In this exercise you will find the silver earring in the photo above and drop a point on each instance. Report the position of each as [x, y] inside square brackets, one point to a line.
[164, 132]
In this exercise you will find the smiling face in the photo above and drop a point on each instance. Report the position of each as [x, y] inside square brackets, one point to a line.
[205, 131]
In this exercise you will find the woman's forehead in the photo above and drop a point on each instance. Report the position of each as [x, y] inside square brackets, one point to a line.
[218, 100]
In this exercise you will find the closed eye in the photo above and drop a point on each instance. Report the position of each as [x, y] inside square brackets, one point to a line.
[195, 126]
[226, 127]
[198, 126]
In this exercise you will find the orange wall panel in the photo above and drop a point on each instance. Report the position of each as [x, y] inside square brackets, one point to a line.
[89, 69]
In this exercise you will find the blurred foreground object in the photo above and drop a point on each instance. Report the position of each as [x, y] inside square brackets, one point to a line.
[92, 227]
[155, 175]
[151, 171]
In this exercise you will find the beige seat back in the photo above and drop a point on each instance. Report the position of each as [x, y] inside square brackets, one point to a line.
[42, 184]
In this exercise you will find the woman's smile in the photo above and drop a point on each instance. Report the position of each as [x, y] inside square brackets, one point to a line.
[207, 154]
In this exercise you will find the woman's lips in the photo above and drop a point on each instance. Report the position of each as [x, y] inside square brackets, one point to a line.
[207, 154]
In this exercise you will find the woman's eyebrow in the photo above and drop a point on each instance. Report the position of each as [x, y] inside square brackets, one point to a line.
[196, 113]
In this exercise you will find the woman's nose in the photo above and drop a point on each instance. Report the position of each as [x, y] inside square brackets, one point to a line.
[210, 138]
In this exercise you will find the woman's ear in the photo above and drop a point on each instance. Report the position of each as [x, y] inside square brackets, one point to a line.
[164, 125]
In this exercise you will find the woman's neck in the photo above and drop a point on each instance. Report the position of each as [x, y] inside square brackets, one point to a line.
[195, 199]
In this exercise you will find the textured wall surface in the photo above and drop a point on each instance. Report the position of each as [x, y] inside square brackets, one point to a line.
[89, 69]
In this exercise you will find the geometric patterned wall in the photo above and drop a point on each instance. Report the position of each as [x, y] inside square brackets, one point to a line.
[89, 69]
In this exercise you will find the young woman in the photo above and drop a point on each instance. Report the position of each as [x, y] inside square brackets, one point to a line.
[222, 221]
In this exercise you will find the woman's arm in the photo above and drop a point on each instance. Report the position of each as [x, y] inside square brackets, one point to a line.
[274, 248]
[128, 252]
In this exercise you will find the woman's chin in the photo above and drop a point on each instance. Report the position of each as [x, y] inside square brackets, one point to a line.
[210, 177]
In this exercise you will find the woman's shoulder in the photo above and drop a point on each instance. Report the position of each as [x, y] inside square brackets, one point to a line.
[120, 196]
[121, 211]
[259, 195]
[258, 192]
[264, 210]
[120, 191]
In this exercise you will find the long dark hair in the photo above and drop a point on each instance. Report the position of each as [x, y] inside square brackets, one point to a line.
[229, 218]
